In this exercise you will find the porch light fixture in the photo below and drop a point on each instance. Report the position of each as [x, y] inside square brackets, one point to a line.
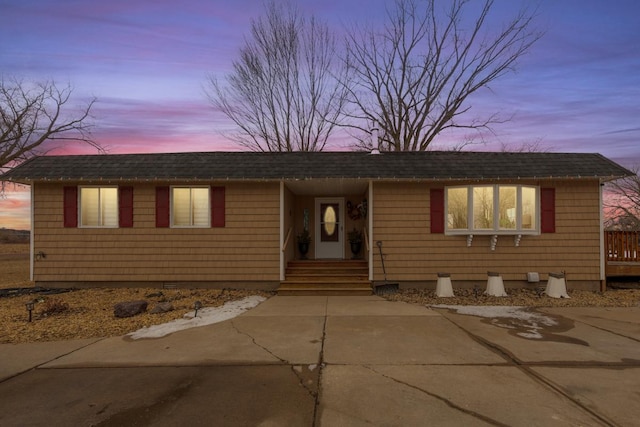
[29, 306]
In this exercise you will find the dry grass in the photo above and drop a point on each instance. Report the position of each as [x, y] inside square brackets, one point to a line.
[14, 273]
[14, 248]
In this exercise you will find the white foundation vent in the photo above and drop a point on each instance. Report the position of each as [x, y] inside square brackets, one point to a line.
[533, 277]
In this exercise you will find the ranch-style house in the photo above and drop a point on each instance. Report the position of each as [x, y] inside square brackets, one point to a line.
[235, 219]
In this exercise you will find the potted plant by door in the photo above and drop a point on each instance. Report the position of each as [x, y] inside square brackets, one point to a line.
[304, 239]
[355, 240]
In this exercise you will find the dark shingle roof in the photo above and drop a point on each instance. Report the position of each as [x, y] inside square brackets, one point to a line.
[436, 165]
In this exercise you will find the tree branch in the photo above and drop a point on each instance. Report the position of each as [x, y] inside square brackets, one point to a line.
[31, 114]
[415, 78]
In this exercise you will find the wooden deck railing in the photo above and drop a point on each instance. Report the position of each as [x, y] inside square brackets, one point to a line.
[622, 246]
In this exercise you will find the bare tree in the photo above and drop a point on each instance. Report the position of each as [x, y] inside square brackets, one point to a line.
[413, 80]
[283, 93]
[533, 146]
[622, 203]
[33, 113]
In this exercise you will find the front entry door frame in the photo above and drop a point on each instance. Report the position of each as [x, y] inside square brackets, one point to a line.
[329, 249]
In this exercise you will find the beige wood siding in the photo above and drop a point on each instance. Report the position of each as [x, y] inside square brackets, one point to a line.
[246, 249]
[289, 226]
[401, 222]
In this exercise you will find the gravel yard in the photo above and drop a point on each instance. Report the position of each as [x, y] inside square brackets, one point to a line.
[524, 297]
[88, 313]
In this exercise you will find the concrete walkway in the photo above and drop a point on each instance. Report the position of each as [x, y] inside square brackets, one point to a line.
[338, 361]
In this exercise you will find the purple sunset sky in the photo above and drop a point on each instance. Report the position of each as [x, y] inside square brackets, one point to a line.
[147, 61]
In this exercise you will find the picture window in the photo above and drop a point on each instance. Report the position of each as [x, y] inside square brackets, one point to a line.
[491, 209]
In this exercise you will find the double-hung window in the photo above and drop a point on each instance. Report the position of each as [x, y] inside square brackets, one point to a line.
[492, 209]
[99, 207]
[190, 207]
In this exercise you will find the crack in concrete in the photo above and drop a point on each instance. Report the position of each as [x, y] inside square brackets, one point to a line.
[526, 369]
[40, 365]
[301, 379]
[320, 366]
[443, 399]
[253, 340]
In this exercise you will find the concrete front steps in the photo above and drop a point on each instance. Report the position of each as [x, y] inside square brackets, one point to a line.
[326, 277]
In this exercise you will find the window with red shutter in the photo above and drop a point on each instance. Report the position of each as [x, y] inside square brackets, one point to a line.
[499, 209]
[98, 207]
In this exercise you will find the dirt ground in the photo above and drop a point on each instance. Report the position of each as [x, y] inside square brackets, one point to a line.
[88, 313]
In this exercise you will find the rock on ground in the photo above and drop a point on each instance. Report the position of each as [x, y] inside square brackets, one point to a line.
[162, 307]
[129, 308]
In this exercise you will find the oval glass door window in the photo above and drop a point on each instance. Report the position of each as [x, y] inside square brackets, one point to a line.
[329, 222]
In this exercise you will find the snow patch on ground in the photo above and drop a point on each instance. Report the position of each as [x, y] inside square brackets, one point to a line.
[530, 323]
[206, 316]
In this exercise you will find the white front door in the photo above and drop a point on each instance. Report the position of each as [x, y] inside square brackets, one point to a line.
[329, 228]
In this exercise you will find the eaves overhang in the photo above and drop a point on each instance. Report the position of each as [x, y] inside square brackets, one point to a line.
[272, 167]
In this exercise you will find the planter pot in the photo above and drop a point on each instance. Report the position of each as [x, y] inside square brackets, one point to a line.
[356, 247]
[303, 248]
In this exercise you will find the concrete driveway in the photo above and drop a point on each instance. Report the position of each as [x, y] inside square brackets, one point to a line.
[339, 361]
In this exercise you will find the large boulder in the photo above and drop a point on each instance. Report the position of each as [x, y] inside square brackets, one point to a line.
[129, 308]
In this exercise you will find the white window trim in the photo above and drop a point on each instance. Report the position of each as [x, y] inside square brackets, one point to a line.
[171, 219]
[496, 230]
[80, 187]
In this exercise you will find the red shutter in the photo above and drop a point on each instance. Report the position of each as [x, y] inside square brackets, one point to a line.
[217, 206]
[71, 207]
[548, 210]
[437, 210]
[125, 202]
[162, 207]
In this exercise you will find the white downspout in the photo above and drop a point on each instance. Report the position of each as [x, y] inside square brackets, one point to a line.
[282, 255]
[370, 226]
[603, 276]
[31, 235]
